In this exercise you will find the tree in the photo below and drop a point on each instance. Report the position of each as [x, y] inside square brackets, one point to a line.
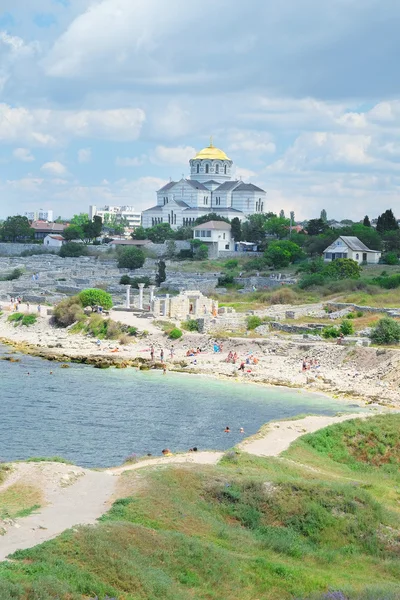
[210, 217]
[140, 233]
[278, 226]
[131, 258]
[316, 226]
[183, 233]
[94, 297]
[97, 226]
[281, 254]
[292, 217]
[368, 235]
[171, 249]
[161, 275]
[73, 232]
[72, 250]
[160, 233]
[324, 216]
[343, 268]
[391, 240]
[387, 222]
[16, 228]
[254, 229]
[366, 222]
[202, 252]
[236, 229]
[282, 214]
[80, 219]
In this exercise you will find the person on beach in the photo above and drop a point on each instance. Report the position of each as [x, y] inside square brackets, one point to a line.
[227, 430]
[164, 369]
[162, 355]
[39, 308]
[241, 368]
[152, 353]
[172, 352]
[28, 307]
[166, 452]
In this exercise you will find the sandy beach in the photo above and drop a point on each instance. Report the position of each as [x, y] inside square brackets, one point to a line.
[366, 374]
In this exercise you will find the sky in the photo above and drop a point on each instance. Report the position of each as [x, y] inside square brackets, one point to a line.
[102, 101]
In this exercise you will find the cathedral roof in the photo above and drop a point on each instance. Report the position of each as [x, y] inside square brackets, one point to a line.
[197, 184]
[248, 187]
[168, 186]
[211, 153]
[228, 185]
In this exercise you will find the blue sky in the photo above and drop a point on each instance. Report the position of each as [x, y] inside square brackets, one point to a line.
[101, 101]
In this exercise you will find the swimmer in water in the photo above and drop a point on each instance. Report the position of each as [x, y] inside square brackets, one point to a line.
[241, 430]
[227, 430]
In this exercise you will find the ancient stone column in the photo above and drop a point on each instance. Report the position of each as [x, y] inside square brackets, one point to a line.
[166, 306]
[152, 290]
[141, 288]
[128, 296]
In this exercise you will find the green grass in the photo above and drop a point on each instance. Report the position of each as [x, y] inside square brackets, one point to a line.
[53, 459]
[325, 516]
[19, 500]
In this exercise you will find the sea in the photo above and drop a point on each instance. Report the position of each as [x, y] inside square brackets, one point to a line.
[97, 418]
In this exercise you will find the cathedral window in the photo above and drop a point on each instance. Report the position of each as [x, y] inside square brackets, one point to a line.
[225, 169]
[207, 168]
[217, 169]
[198, 167]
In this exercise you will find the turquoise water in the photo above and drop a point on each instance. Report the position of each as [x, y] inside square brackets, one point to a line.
[98, 418]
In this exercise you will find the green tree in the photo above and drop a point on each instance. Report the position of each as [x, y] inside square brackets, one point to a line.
[366, 222]
[368, 235]
[391, 241]
[130, 258]
[316, 226]
[97, 226]
[184, 233]
[16, 228]
[281, 254]
[73, 232]
[210, 217]
[160, 233]
[171, 249]
[236, 229]
[387, 222]
[140, 233]
[161, 273]
[72, 250]
[94, 297]
[343, 268]
[324, 216]
[387, 332]
[202, 252]
[80, 219]
[292, 217]
[254, 229]
[282, 214]
[278, 226]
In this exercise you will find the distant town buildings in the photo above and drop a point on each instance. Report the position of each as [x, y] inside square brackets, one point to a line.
[54, 241]
[117, 215]
[39, 215]
[210, 189]
[42, 229]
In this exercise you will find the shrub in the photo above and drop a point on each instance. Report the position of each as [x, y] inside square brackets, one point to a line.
[185, 255]
[15, 318]
[386, 332]
[342, 268]
[233, 263]
[73, 250]
[201, 252]
[283, 296]
[347, 327]
[330, 332]
[125, 280]
[68, 311]
[391, 258]
[29, 320]
[359, 314]
[136, 280]
[253, 322]
[311, 280]
[132, 331]
[190, 325]
[94, 297]
[226, 280]
[175, 334]
[255, 264]
[130, 258]
[389, 283]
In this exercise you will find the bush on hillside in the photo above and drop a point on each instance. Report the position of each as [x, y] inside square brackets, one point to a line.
[125, 280]
[68, 311]
[15, 318]
[233, 263]
[95, 297]
[311, 280]
[29, 320]
[253, 322]
[330, 332]
[175, 334]
[342, 268]
[284, 295]
[255, 264]
[347, 327]
[390, 282]
[15, 274]
[73, 250]
[130, 258]
[391, 258]
[225, 280]
[387, 332]
[190, 325]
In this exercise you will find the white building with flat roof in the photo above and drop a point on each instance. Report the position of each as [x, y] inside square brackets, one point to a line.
[120, 213]
[211, 188]
[39, 215]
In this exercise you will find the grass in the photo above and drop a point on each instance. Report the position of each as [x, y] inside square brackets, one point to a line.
[19, 500]
[22, 319]
[324, 517]
[53, 459]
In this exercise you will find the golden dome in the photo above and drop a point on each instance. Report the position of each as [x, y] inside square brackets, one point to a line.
[211, 153]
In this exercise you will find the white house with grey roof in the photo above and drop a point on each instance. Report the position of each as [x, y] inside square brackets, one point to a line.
[351, 247]
[210, 189]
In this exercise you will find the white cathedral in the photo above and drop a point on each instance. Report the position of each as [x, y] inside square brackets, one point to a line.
[210, 189]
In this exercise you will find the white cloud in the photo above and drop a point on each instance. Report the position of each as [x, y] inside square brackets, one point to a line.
[48, 127]
[180, 155]
[244, 174]
[136, 161]
[23, 154]
[54, 168]
[84, 155]
[251, 141]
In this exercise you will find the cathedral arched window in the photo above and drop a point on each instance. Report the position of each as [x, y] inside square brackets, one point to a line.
[198, 167]
[207, 168]
[217, 169]
[225, 169]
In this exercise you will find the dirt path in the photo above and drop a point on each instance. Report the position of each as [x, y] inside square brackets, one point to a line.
[77, 496]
